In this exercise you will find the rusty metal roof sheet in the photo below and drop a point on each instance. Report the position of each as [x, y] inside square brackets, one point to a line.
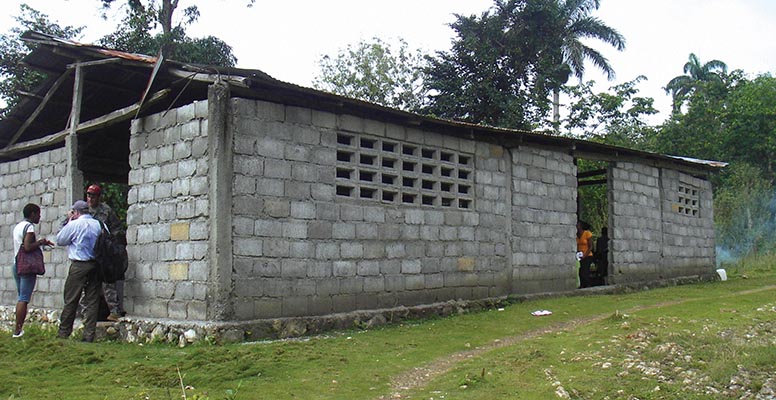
[111, 86]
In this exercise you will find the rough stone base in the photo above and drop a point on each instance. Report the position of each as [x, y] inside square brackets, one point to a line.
[183, 333]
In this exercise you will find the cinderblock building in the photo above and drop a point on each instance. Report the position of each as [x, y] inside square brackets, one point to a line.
[254, 199]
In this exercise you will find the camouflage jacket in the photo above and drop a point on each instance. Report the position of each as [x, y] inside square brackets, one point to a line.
[107, 216]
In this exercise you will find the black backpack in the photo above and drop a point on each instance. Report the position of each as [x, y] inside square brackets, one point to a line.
[109, 255]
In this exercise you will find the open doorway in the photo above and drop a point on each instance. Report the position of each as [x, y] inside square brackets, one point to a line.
[593, 212]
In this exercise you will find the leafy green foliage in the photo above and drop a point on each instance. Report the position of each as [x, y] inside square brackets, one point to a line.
[732, 118]
[14, 77]
[505, 62]
[615, 117]
[579, 24]
[500, 67]
[377, 72]
[696, 77]
[135, 35]
[744, 211]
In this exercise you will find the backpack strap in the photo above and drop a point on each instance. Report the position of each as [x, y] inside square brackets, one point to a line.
[103, 226]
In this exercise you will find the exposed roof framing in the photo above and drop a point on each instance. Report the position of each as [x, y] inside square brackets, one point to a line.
[115, 82]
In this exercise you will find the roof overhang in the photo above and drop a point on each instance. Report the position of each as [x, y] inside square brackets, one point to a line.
[121, 86]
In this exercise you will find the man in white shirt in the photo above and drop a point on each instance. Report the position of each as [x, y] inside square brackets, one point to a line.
[79, 235]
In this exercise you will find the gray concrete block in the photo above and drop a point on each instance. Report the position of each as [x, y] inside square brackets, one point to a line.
[291, 268]
[158, 308]
[277, 169]
[327, 251]
[323, 119]
[247, 246]
[276, 247]
[367, 231]
[267, 308]
[298, 115]
[343, 302]
[351, 213]
[344, 268]
[270, 111]
[351, 250]
[320, 230]
[326, 212]
[351, 285]
[294, 230]
[343, 230]
[297, 190]
[244, 308]
[350, 123]
[277, 208]
[410, 266]
[414, 282]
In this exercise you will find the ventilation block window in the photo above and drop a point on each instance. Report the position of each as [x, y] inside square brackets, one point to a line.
[388, 171]
[687, 201]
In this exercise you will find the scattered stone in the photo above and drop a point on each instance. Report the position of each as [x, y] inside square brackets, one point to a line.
[190, 335]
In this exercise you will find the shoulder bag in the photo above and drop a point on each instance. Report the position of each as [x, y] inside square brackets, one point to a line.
[29, 262]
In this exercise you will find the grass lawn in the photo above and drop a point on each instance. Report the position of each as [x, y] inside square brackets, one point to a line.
[704, 341]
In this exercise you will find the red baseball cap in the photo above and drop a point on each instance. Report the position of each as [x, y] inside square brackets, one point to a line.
[94, 189]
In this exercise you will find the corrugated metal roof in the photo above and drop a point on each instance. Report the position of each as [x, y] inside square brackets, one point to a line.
[116, 85]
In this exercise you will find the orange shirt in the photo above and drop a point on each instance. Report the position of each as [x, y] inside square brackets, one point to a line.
[582, 243]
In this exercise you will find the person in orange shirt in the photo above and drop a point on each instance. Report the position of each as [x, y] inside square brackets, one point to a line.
[584, 246]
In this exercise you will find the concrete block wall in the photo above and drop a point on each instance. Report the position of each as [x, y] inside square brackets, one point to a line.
[688, 237]
[635, 220]
[544, 193]
[168, 215]
[300, 248]
[659, 230]
[39, 179]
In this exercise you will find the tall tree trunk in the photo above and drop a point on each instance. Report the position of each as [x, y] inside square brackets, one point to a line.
[556, 109]
[165, 19]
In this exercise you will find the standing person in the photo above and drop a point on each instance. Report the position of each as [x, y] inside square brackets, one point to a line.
[79, 235]
[584, 246]
[24, 234]
[114, 292]
[601, 257]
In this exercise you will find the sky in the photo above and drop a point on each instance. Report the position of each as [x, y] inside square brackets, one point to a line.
[287, 38]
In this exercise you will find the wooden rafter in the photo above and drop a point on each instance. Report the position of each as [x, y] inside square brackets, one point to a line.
[38, 109]
[122, 114]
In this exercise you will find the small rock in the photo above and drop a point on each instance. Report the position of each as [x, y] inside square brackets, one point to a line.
[190, 335]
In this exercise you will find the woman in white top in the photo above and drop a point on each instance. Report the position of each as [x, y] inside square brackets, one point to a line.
[24, 234]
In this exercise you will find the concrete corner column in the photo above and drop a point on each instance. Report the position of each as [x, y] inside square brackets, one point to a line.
[220, 138]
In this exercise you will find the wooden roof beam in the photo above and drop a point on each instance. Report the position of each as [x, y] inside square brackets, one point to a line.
[83, 127]
[38, 109]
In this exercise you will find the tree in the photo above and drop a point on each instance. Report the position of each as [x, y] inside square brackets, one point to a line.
[578, 24]
[750, 123]
[160, 12]
[151, 12]
[694, 73]
[375, 71]
[134, 35]
[14, 77]
[498, 70]
[744, 214]
[616, 117]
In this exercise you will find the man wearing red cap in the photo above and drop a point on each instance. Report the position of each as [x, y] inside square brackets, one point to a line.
[114, 292]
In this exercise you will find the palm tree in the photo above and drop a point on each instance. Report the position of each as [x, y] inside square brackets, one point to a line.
[694, 73]
[579, 24]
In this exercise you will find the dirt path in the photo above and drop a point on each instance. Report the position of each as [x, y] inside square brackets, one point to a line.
[420, 376]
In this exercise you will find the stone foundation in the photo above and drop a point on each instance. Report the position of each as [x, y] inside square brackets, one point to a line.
[183, 333]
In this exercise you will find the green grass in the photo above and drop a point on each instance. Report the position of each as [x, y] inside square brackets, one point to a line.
[681, 342]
